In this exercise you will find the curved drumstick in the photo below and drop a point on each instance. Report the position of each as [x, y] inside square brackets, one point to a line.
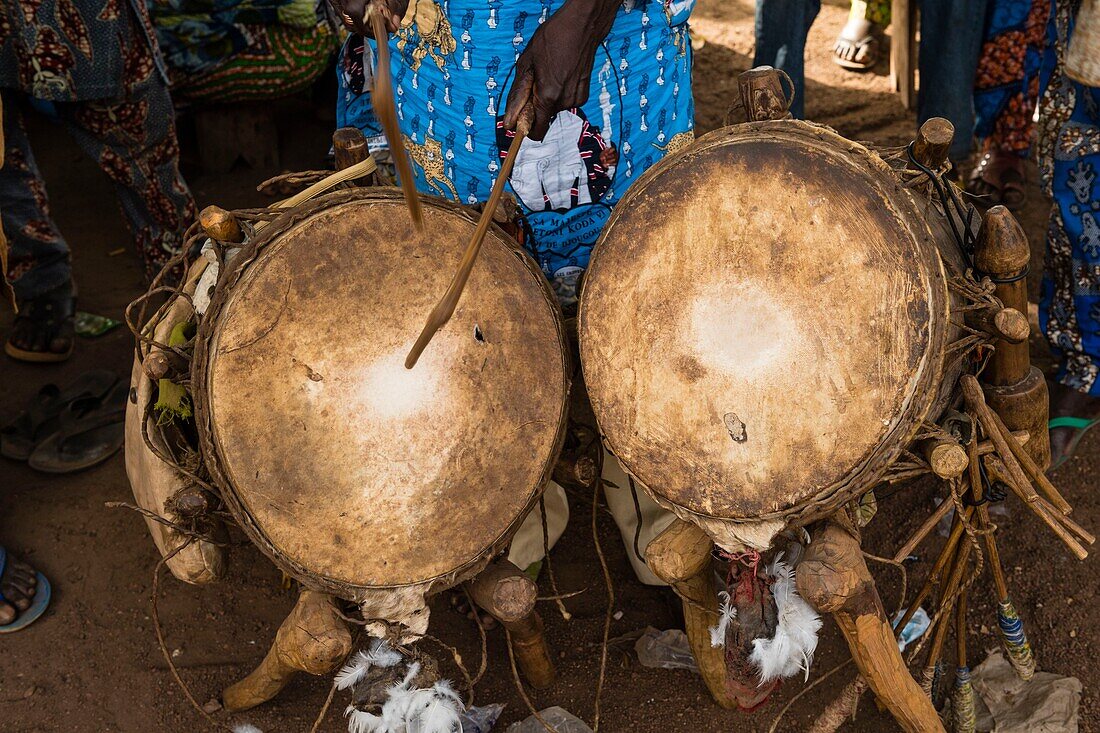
[386, 109]
[445, 308]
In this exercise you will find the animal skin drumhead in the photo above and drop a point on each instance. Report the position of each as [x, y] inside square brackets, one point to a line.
[758, 321]
[347, 467]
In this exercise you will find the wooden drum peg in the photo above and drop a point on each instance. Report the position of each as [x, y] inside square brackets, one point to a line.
[681, 556]
[312, 639]
[220, 225]
[1013, 388]
[509, 596]
[349, 145]
[833, 577]
[1006, 324]
[947, 458]
[933, 142]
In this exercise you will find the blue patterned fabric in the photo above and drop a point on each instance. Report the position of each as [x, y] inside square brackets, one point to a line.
[453, 64]
[1069, 158]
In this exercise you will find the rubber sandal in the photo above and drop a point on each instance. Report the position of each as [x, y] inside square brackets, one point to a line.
[39, 603]
[19, 437]
[1081, 425]
[53, 312]
[867, 46]
[998, 179]
[91, 431]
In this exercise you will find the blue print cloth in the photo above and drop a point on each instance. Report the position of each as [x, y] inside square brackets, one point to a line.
[453, 64]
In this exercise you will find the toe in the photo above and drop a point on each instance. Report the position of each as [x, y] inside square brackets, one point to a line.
[7, 614]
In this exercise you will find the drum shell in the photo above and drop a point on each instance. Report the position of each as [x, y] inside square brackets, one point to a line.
[497, 539]
[698, 492]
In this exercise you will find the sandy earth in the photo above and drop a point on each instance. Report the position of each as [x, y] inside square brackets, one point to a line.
[93, 665]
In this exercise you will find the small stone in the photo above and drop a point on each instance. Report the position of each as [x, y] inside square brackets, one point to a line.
[29, 692]
[176, 653]
[1073, 633]
[212, 706]
[985, 630]
[617, 615]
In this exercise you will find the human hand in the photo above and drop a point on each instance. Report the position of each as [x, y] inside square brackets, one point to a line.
[354, 13]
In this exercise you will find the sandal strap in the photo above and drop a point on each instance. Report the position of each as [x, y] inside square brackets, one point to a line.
[1076, 423]
[89, 413]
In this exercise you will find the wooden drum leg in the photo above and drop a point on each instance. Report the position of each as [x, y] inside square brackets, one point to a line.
[680, 556]
[509, 596]
[312, 639]
[833, 577]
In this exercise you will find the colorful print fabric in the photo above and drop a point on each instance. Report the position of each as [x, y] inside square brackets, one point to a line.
[1069, 161]
[453, 63]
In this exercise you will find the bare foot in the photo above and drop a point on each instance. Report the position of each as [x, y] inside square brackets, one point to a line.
[18, 585]
[1067, 402]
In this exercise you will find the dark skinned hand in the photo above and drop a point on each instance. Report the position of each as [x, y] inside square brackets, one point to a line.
[554, 72]
[354, 14]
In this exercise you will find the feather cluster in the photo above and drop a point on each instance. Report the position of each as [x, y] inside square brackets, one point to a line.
[409, 709]
[378, 654]
[791, 650]
[726, 614]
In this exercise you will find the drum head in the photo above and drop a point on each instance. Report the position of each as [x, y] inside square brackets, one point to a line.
[349, 470]
[758, 325]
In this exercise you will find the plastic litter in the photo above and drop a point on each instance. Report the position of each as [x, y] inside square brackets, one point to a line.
[480, 718]
[561, 720]
[665, 650]
[914, 629]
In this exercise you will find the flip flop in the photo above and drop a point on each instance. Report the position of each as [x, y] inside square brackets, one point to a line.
[1081, 425]
[19, 437]
[39, 603]
[91, 431]
[999, 178]
[856, 54]
[52, 313]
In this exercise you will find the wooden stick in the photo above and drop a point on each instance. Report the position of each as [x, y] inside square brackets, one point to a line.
[833, 577]
[963, 699]
[946, 457]
[220, 225]
[382, 96]
[944, 559]
[312, 639]
[942, 615]
[509, 596]
[446, 307]
[681, 556]
[1017, 479]
[924, 530]
[1033, 471]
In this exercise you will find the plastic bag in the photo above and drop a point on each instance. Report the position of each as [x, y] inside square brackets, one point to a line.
[665, 650]
[562, 721]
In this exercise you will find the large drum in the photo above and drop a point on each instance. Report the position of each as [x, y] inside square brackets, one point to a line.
[351, 472]
[765, 324]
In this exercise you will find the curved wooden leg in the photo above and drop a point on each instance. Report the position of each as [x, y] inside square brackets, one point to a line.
[680, 556]
[509, 596]
[312, 639]
[833, 577]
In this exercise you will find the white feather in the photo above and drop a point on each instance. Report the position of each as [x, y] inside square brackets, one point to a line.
[246, 728]
[441, 713]
[726, 614]
[361, 722]
[791, 650]
[378, 654]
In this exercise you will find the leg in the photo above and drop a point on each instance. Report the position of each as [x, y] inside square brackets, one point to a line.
[38, 267]
[781, 30]
[639, 518]
[134, 141]
[951, 41]
[680, 556]
[509, 596]
[312, 639]
[833, 577]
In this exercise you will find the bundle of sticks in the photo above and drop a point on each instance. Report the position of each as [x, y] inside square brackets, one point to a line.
[999, 460]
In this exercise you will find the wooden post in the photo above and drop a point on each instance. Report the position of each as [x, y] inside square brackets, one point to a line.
[349, 146]
[833, 577]
[681, 556]
[903, 51]
[1007, 324]
[1014, 389]
[509, 596]
[933, 142]
[312, 639]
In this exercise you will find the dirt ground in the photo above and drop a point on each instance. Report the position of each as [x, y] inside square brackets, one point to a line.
[93, 664]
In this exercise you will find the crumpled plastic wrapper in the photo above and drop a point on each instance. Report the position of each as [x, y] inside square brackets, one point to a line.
[1047, 703]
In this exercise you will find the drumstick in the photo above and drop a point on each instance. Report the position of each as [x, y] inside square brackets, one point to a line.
[385, 108]
[445, 308]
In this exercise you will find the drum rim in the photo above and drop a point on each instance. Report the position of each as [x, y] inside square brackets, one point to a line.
[867, 472]
[248, 255]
